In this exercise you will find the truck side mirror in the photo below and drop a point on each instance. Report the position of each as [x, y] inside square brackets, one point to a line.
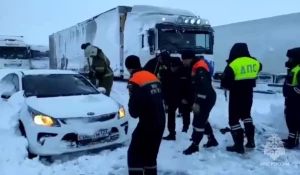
[151, 43]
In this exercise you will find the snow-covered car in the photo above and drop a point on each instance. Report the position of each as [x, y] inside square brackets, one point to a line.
[62, 112]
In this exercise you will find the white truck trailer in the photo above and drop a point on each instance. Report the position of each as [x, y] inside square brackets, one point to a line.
[138, 30]
[14, 52]
[268, 40]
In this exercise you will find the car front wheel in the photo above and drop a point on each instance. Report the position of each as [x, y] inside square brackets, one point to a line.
[23, 133]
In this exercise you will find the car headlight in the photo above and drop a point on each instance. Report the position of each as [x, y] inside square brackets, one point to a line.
[122, 113]
[44, 120]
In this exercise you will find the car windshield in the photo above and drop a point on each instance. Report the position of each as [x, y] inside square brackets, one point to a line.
[54, 85]
[14, 52]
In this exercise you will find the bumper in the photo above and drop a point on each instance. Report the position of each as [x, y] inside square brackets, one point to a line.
[58, 140]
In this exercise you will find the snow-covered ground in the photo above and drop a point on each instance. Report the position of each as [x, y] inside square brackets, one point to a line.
[268, 116]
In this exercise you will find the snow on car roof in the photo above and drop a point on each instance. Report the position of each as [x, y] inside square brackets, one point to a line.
[47, 71]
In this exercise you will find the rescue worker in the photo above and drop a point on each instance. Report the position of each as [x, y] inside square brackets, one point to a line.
[291, 92]
[186, 96]
[171, 94]
[145, 103]
[204, 101]
[99, 66]
[159, 67]
[159, 64]
[239, 78]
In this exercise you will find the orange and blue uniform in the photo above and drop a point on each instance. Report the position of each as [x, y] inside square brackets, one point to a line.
[145, 103]
[205, 98]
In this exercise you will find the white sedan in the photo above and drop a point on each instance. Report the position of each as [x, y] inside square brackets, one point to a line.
[62, 112]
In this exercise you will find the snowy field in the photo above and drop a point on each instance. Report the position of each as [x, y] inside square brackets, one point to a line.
[268, 116]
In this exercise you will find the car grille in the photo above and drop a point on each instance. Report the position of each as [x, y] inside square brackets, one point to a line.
[101, 118]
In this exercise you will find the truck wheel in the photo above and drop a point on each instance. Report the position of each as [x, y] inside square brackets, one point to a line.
[23, 133]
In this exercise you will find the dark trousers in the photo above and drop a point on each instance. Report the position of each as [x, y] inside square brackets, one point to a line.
[185, 111]
[240, 109]
[142, 153]
[172, 118]
[292, 119]
[200, 121]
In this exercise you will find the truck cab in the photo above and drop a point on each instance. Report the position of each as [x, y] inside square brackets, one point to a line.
[14, 53]
[159, 28]
[39, 55]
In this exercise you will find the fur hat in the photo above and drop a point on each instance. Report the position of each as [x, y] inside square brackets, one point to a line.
[89, 50]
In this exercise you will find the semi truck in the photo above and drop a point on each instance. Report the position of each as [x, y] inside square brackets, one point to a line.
[138, 30]
[14, 52]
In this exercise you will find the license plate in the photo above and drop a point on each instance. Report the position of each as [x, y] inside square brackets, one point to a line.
[99, 134]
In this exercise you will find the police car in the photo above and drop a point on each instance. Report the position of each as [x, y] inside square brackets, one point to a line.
[62, 112]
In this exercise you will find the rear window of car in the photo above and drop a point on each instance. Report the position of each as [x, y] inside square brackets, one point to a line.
[54, 85]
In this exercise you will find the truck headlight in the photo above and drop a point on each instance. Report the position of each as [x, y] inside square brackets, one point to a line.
[122, 113]
[198, 21]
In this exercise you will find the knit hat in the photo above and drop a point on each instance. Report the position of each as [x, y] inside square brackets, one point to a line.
[188, 55]
[175, 62]
[132, 62]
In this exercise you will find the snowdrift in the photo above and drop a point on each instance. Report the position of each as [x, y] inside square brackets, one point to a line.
[268, 117]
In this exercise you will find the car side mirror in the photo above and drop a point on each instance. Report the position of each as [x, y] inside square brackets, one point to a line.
[101, 90]
[6, 95]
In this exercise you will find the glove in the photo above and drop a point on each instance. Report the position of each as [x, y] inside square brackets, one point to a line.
[196, 108]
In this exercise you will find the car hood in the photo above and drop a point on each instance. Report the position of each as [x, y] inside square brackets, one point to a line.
[73, 106]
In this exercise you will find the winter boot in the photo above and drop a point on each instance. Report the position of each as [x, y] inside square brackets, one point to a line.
[211, 141]
[170, 137]
[292, 142]
[193, 148]
[238, 138]
[250, 131]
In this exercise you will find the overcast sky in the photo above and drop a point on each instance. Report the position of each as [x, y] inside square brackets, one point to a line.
[36, 19]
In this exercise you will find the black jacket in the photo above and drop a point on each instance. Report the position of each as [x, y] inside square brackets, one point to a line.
[146, 101]
[227, 80]
[171, 88]
[151, 65]
[185, 84]
[202, 83]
